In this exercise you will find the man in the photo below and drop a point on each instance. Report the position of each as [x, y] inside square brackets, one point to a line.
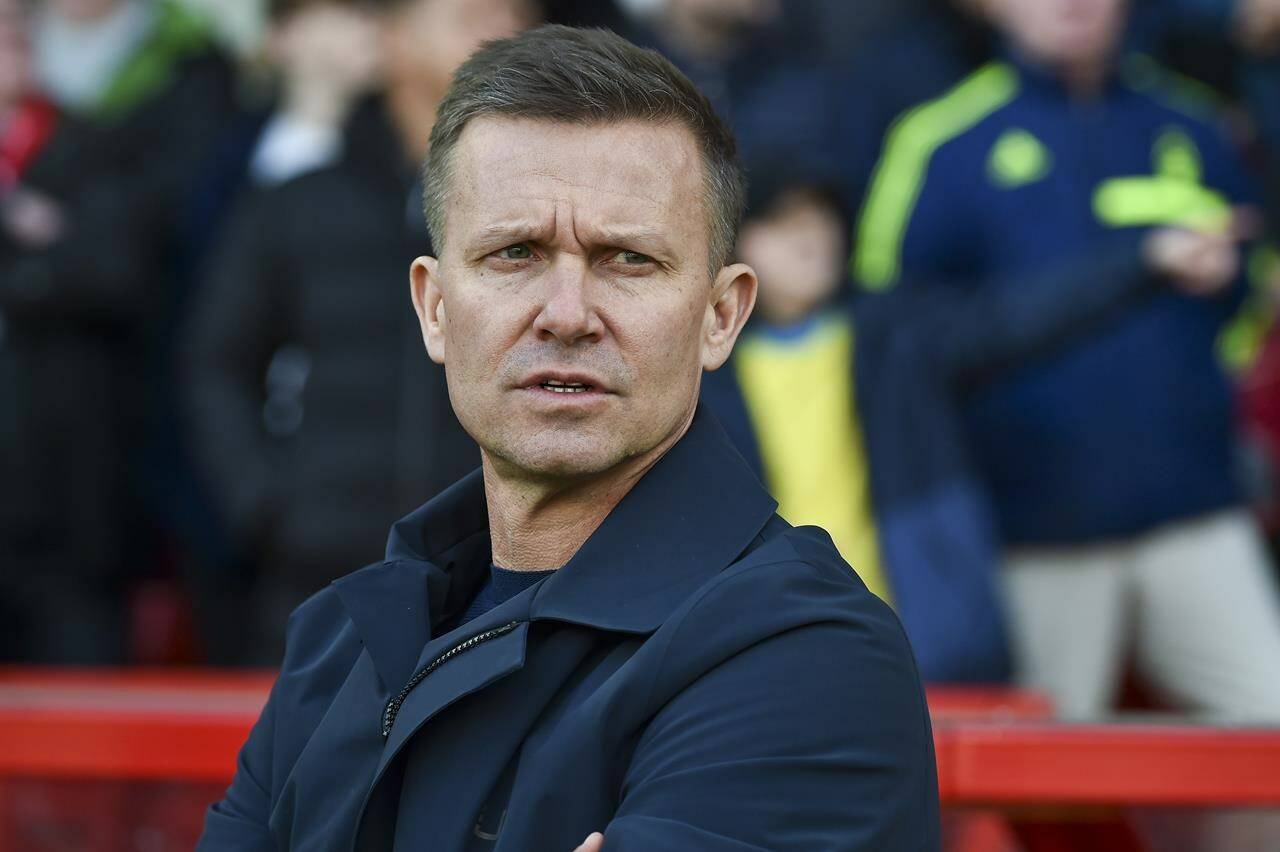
[1109, 463]
[606, 628]
[315, 415]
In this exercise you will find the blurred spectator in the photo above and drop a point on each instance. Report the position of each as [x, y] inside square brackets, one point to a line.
[848, 408]
[758, 69]
[89, 196]
[146, 79]
[793, 371]
[317, 414]
[149, 77]
[324, 58]
[913, 58]
[328, 57]
[1110, 462]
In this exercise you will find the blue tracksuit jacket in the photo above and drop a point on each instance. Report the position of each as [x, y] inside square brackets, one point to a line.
[1007, 175]
[700, 676]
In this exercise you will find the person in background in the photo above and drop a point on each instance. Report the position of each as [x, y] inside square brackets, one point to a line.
[149, 80]
[71, 262]
[758, 67]
[919, 53]
[148, 76]
[323, 59]
[314, 415]
[1110, 463]
[792, 370]
[848, 405]
[94, 163]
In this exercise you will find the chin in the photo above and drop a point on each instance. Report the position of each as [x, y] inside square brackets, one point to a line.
[560, 456]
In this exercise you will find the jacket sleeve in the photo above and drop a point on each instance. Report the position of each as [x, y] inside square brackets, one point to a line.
[238, 823]
[998, 324]
[816, 737]
[321, 647]
[239, 320]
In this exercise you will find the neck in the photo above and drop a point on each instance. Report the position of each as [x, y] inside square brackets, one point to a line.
[413, 112]
[1085, 78]
[538, 522]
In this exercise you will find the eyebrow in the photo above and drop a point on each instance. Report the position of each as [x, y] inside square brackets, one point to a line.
[513, 230]
[622, 236]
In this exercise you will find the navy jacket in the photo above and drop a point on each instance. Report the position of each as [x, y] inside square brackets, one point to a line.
[700, 676]
[1006, 175]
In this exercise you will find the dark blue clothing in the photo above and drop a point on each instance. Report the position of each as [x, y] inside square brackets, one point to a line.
[503, 585]
[700, 676]
[1132, 427]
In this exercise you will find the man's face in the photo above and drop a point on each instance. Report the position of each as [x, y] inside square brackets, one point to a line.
[1061, 31]
[571, 304]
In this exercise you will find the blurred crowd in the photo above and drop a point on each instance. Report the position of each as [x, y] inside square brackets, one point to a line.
[1013, 347]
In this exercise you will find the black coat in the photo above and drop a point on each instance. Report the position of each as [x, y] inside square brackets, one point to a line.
[314, 407]
[699, 676]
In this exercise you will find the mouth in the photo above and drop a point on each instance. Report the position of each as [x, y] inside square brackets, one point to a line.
[565, 386]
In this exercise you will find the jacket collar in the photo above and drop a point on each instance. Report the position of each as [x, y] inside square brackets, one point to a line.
[689, 517]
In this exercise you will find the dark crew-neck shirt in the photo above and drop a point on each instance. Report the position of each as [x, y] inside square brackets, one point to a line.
[503, 585]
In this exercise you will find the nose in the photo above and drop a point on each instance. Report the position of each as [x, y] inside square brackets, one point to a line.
[568, 314]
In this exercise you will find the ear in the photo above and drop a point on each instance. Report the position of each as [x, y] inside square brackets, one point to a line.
[733, 295]
[428, 303]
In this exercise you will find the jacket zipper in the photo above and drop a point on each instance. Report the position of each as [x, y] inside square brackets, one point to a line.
[393, 706]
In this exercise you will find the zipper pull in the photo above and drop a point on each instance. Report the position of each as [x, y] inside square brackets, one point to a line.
[392, 709]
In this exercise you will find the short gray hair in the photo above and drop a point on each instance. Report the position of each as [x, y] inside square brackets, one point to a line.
[584, 76]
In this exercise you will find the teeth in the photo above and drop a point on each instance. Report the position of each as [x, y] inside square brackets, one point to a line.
[564, 387]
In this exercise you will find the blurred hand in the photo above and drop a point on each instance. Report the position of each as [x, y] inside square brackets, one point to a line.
[1199, 263]
[329, 56]
[593, 843]
[31, 218]
[1258, 24]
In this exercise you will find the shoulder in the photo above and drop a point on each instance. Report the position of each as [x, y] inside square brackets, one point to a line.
[1171, 94]
[795, 585]
[791, 633]
[940, 141]
[947, 121]
[321, 645]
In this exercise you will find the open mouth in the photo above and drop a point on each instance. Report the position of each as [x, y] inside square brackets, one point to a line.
[564, 387]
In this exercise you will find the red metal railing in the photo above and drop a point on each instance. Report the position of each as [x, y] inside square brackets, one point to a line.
[160, 730]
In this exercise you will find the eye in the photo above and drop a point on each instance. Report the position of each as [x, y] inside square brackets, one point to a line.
[631, 258]
[519, 251]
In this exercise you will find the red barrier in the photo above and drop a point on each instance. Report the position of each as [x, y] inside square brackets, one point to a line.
[176, 734]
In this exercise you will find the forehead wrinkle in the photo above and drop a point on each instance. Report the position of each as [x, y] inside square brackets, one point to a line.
[595, 187]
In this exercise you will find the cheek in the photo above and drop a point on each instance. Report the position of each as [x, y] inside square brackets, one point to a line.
[666, 341]
[481, 329]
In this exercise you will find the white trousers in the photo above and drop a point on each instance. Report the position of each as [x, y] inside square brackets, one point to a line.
[1195, 602]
